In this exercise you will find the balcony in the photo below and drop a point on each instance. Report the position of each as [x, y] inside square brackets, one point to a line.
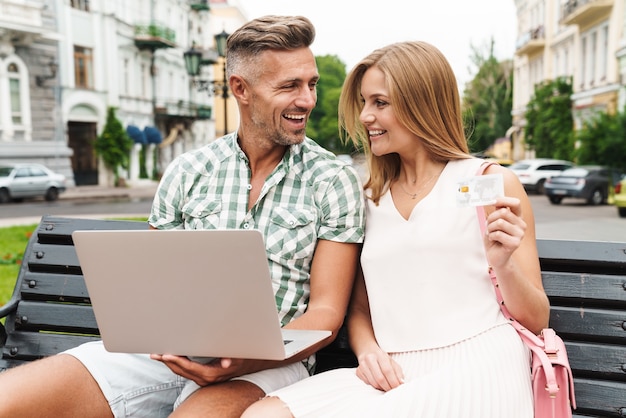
[153, 36]
[200, 5]
[22, 21]
[585, 12]
[183, 111]
[531, 42]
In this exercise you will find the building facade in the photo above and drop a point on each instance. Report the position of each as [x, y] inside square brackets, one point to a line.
[581, 39]
[64, 63]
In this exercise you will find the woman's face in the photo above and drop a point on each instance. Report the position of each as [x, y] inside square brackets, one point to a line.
[386, 134]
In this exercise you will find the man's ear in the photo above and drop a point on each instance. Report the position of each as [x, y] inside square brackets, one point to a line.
[239, 88]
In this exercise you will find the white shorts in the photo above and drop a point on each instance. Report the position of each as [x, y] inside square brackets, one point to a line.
[137, 386]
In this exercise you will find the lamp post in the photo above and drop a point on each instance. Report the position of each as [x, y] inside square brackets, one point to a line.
[220, 42]
[193, 63]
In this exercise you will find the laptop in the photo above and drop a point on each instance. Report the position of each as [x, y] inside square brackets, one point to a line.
[195, 293]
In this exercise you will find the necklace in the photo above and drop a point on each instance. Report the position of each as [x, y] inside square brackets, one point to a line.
[426, 183]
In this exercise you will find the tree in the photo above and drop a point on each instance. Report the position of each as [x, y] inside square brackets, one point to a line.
[323, 125]
[114, 145]
[601, 141]
[488, 99]
[549, 122]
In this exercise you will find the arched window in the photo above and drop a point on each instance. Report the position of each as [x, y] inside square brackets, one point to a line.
[15, 114]
[14, 94]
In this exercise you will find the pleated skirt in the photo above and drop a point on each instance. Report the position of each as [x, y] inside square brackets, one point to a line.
[486, 376]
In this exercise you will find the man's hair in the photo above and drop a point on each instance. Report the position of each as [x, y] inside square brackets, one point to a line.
[277, 33]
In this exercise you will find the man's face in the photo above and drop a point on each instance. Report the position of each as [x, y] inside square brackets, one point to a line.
[284, 95]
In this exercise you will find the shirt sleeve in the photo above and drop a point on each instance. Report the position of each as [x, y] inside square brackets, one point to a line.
[165, 212]
[343, 208]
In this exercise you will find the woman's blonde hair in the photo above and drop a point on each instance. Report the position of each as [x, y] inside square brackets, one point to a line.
[425, 98]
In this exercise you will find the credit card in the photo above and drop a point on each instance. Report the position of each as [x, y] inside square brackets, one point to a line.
[480, 190]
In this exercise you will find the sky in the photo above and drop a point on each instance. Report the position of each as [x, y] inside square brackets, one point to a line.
[351, 29]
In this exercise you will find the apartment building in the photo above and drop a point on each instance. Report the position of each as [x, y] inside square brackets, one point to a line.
[63, 63]
[583, 39]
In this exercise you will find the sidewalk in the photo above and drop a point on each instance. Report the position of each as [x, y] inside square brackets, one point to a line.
[138, 189]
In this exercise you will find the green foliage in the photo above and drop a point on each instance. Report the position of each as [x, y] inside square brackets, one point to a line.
[549, 129]
[114, 145]
[323, 125]
[13, 241]
[602, 141]
[488, 99]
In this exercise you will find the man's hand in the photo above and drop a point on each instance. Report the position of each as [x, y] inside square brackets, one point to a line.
[216, 371]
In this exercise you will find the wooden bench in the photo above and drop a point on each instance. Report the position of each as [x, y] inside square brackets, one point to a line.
[586, 282]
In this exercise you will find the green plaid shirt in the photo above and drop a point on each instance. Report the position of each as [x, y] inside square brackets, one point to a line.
[309, 196]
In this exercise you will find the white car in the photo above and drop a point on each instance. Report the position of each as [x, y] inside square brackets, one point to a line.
[534, 172]
[19, 181]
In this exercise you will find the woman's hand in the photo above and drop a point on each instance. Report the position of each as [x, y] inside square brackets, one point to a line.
[505, 230]
[379, 370]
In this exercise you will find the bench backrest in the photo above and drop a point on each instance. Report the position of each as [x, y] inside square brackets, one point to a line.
[50, 309]
[585, 281]
[586, 284]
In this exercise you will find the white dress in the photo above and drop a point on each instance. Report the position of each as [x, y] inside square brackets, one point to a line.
[433, 307]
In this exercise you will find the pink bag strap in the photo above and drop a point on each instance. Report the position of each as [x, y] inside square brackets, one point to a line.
[532, 341]
[482, 220]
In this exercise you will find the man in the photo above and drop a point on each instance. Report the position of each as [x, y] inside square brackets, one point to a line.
[266, 176]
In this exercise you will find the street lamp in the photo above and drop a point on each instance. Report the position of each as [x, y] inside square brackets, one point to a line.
[41, 79]
[194, 62]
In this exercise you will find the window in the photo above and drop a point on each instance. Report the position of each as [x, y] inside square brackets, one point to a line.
[593, 53]
[14, 94]
[80, 5]
[604, 52]
[144, 81]
[583, 58]
[126, 76]
[83, 67]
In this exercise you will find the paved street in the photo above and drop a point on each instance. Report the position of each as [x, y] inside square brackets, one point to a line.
[570, 220]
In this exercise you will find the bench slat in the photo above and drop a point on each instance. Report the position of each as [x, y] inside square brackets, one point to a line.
[36, 316]
[589, 324]
[607, 290]
[52, 258]
[579, 253]
[600, 398]
[54, 287]
[603, 361]
[33, 345]
[58, 230]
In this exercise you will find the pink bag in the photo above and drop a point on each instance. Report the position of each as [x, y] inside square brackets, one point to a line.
[551, 374]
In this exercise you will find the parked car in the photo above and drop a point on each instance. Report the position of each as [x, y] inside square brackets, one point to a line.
[590, 182]
[533, 173]
[19, 181]
[619, 198]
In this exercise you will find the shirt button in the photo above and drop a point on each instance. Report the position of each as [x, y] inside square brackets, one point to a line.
[246, 226]
[249, 187]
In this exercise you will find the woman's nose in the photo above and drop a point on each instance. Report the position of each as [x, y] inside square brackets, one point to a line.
[366, 116]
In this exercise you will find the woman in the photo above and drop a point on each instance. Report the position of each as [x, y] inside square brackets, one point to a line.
[424, 322]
